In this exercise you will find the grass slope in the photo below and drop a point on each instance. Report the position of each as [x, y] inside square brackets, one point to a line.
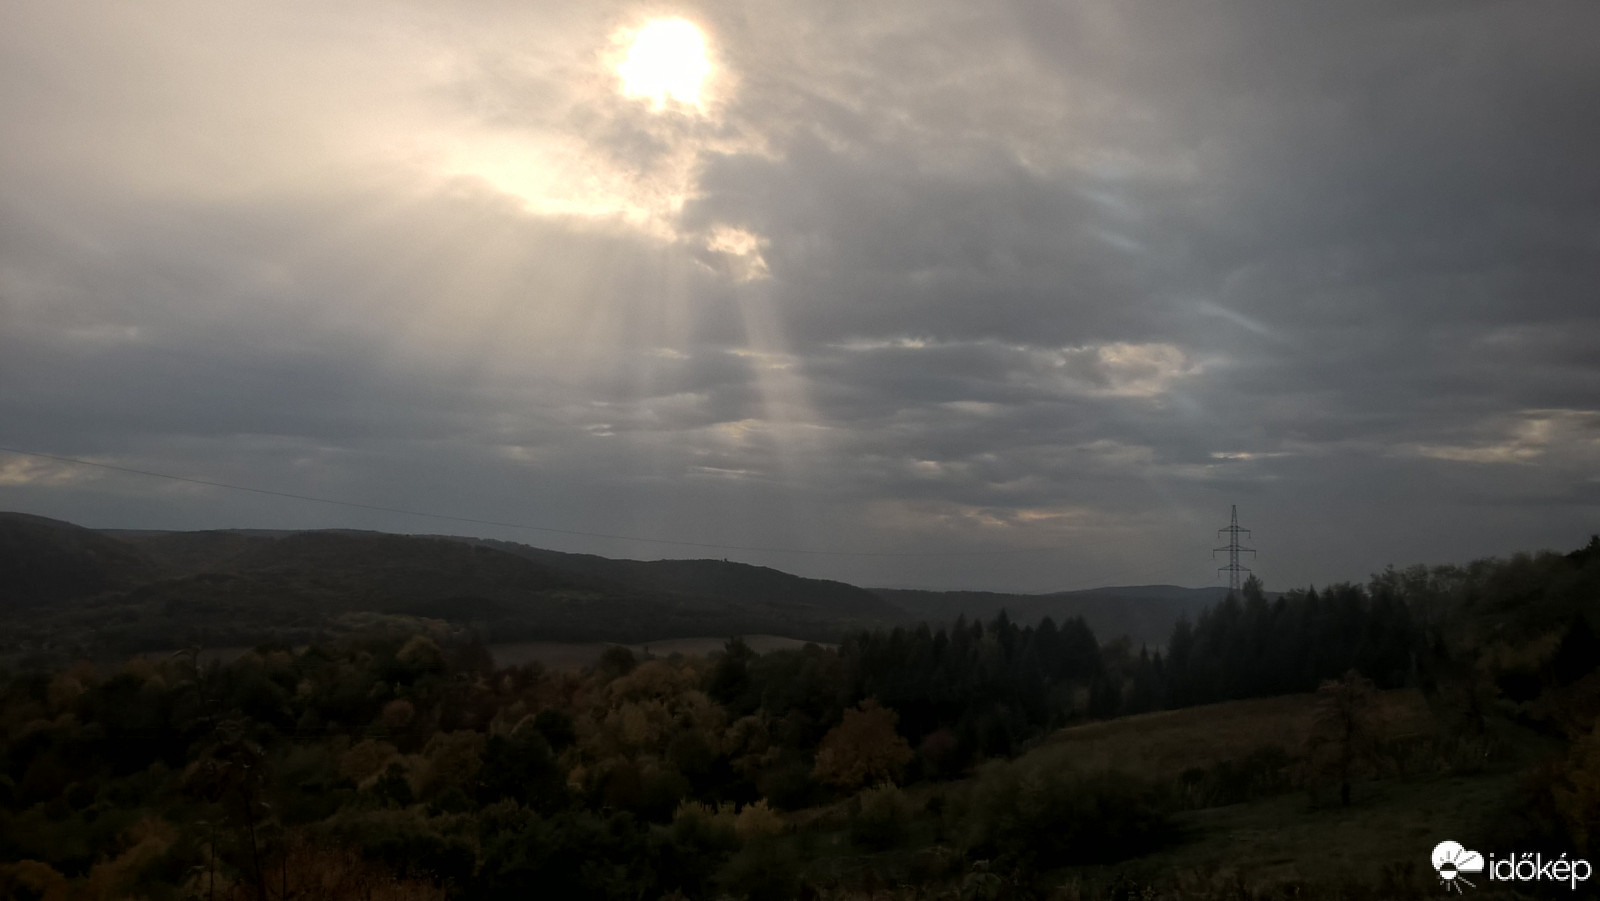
[1295, 843]
[46, 561]
[1163, 744]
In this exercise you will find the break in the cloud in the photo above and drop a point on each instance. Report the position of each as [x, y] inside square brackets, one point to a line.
[1032, 290]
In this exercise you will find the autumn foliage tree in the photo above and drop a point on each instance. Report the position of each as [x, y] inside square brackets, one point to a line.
[863, 749]
[1343, 739]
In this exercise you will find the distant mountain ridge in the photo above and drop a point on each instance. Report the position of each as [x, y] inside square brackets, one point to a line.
[137, 589]
[720, 579]
[61, 584]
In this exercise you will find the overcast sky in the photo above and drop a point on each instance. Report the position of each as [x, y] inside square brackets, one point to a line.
[926, 280]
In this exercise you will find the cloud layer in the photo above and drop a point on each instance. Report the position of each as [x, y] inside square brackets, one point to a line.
[1019, 297]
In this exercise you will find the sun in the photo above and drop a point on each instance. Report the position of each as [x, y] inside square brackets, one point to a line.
[666, 61]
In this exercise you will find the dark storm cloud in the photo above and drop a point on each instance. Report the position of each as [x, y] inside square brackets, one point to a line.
[871, 247]
[1381, 214]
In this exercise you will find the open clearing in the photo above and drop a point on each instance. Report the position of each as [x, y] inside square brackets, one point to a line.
[1392, 826]
[1382, 839]
[1165, 743]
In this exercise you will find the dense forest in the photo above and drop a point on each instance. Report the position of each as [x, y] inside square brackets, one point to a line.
[905, 762]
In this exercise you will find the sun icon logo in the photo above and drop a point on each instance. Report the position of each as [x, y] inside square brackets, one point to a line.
[1452, 860]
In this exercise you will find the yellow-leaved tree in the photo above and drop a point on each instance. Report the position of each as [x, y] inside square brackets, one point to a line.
[863, 749]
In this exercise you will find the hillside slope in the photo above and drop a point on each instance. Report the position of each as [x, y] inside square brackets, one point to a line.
[66, 590]
[71, 589]
[46, 561]
[737, 583]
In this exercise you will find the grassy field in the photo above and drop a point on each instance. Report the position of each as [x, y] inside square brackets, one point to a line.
[1287, 841]
[1387, 833]
[1166, 743]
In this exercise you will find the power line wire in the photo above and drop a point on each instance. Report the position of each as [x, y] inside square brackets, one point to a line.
[515, 525]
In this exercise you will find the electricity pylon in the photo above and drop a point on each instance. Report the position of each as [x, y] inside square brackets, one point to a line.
[1233, 569]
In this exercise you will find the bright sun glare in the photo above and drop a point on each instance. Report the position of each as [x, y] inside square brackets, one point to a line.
[666, 61]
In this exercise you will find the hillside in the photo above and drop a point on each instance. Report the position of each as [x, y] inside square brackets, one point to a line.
[74, 591]
[68, 590]
[44, 561]
[724, 580]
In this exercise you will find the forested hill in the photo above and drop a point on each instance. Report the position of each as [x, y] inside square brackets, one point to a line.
[43, 561]
[1144, 613]
[67, 590]
[720, 579]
